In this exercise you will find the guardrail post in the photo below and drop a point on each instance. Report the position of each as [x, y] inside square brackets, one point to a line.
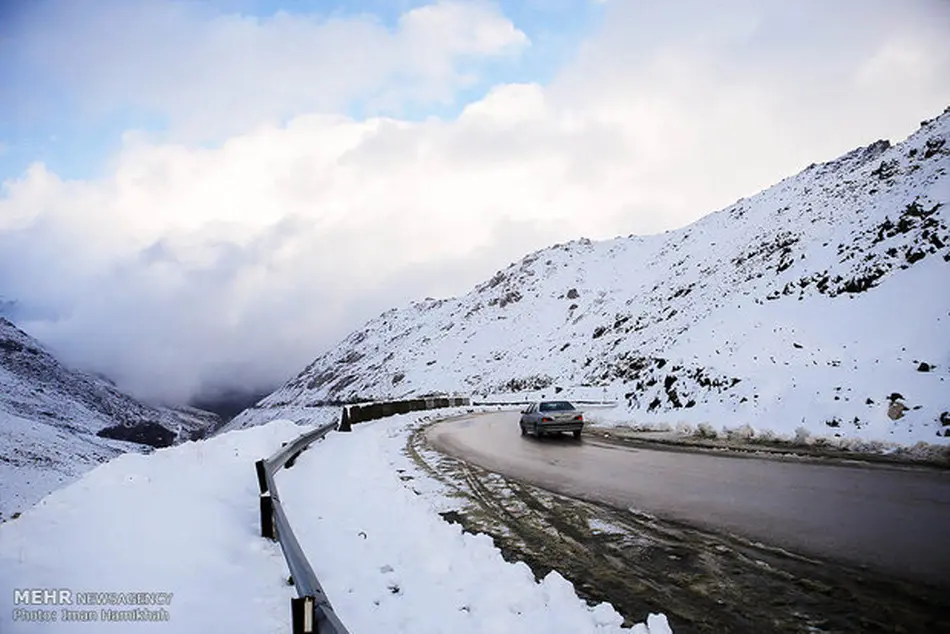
[301, 615]
[292, 460]
[345, 420]
[267, 516]
[261, 475]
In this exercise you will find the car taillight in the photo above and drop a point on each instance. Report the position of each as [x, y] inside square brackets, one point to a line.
[547, 420]
[579, 417]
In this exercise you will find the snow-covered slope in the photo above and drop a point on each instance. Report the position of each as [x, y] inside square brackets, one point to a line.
[822, 302]
[50, 416]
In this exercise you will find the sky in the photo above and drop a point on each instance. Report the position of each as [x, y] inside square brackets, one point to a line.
[205, 195]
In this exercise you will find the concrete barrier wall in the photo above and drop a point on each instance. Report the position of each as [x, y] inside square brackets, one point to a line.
[353, 414]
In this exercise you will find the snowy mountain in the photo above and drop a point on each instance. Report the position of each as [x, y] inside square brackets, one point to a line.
[822, 302]
[56, 422]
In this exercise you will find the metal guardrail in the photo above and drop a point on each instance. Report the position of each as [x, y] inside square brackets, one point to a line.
[311, 611]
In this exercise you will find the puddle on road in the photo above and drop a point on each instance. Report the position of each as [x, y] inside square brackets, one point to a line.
[703, 582]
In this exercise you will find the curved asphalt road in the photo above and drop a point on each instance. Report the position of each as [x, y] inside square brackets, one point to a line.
[892, 520]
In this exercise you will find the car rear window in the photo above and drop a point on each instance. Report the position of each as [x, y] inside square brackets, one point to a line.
[556, 406]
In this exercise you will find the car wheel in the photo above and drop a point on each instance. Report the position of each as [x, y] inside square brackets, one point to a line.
[523, 431]
[577, 433]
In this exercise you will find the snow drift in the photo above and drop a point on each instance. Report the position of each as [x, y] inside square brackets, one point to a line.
[184, 521]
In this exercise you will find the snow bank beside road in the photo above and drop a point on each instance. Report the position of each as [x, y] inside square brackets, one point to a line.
[182, 520]
[390, 563]
[185, 520]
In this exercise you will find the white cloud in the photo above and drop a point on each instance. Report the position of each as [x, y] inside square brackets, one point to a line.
[459, 28]
[216, 74]
[238, 263]
[735, 98]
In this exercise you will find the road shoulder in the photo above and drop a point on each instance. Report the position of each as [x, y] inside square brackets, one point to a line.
[931, 457]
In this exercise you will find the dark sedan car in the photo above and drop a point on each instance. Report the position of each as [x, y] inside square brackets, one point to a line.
[551, 417]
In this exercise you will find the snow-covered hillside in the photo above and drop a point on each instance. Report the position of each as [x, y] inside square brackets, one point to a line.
[50, 416]
[822, 302]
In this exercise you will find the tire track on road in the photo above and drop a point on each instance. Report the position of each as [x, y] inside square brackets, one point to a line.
[703, 581]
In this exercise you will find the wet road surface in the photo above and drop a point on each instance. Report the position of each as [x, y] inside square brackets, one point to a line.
[891, 520]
